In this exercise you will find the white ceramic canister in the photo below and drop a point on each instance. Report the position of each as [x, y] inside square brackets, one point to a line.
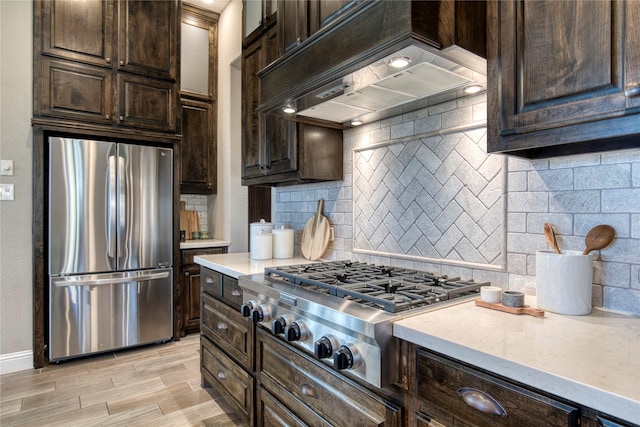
[564, 282]
[282, 242]
[257, 247]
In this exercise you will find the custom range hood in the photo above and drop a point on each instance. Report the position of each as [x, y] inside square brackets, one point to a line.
[343, 73]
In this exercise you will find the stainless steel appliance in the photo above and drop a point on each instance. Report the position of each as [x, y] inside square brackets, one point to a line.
[110, 246]
[342, 312]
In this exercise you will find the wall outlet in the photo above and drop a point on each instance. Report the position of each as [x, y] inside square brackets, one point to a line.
[332, 234]
[6, 191]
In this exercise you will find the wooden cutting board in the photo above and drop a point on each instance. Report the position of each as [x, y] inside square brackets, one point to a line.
[315, 235]
[189, 221]
[525, 309]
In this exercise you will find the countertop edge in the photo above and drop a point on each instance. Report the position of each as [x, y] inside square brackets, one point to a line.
[584, 394]
[205, 243]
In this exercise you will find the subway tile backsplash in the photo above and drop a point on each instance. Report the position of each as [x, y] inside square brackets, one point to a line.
[572, 193]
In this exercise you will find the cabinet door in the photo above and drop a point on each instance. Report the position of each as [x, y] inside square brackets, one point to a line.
[252, 121]
[80, 31]
[198, 54]
[75, 91]
[561, 66]
[148, 38]
[192, 297]
[324, 12]
[199, 148]
[292, 23]
[146, 103]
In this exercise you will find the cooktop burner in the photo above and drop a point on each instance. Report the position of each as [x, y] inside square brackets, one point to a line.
[392, 289]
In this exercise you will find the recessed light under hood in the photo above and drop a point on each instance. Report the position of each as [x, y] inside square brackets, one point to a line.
[379, 86]
[342, 72]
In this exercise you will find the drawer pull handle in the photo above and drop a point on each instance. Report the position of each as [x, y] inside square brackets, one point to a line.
[307, 390]
[236, 292]
[222, 375]
[221, 326]
[632, 90]
[481, 401]
[209, 280]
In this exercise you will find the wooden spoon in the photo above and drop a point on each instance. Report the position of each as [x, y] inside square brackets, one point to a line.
[551, 237]
[599, 237]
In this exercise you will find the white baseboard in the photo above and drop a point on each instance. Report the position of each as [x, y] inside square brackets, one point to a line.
[18, 361]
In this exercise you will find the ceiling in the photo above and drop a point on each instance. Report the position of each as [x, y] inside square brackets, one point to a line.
[216, 5]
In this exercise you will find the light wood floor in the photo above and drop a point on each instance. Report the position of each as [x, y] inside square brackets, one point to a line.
[156, 385]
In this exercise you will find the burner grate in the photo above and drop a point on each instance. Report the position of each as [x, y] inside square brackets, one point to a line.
[389, 288]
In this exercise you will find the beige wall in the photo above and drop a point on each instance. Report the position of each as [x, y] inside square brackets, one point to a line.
[15, 144]
[229, 206]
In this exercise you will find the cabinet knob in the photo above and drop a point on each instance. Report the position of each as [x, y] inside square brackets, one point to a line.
[107, 116]
[481, 401]
[121, 118]
[222, 375]
[186, 274]
[632, 91]
[221, 326]
[121, 62]
[236, 292]
[209, 280]
[107, 60]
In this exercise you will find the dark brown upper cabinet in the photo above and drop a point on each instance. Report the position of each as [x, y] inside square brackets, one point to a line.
[198, 82]
[563, 77]
[107, 62]
[276, 151]
[257, 16]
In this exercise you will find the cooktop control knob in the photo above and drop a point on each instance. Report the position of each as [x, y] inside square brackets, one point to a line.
[278, 325]
[246, 308]
[346, 357]
[323, 348]
[296, 331]
[261, 314]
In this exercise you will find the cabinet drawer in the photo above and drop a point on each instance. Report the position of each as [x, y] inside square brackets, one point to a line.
[290, 376]
[450, 385]
[231, 292]
[211, 282]
[222, 373]
[228, 329]
[271, 413]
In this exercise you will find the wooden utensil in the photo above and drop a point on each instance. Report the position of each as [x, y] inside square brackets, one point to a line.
[525, 309]
[599, 237]
[551, 237]
[315, 235]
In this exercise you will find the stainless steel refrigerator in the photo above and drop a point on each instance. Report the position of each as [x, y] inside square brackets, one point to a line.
[110, 246]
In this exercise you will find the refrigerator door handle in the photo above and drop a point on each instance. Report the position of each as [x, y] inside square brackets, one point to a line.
[111, 209]
[110, 281]
[122, 208]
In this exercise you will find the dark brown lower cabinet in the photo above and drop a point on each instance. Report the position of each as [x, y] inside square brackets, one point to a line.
[448, 392]
[297, 390]
[191, 287]
[227, 343]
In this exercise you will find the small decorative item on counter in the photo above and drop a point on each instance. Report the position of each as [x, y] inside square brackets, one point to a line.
[282, 242]
[512, 299]
[564, 282]
[195, 235]
[182, 235]
[492, 294]
[261, 240]
[204, 234]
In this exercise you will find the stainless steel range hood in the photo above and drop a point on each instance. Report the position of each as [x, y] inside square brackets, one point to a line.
[343, 73]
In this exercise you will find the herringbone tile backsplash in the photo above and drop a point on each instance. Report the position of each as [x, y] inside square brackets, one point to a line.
[440, 198]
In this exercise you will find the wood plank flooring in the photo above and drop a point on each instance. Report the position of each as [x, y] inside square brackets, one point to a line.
[156, 385]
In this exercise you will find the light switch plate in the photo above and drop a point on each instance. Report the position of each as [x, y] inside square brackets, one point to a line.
[6, 191]
[6, 167]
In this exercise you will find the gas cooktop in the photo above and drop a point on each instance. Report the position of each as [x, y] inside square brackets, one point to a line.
[391, 289]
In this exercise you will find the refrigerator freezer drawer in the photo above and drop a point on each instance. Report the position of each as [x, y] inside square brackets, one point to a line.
[102, 312]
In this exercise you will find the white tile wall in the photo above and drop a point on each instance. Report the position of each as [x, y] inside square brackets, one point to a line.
[572, 193]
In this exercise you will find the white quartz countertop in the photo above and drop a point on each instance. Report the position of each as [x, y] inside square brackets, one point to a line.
[593, 360]
[241, 264]
[204, 243]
